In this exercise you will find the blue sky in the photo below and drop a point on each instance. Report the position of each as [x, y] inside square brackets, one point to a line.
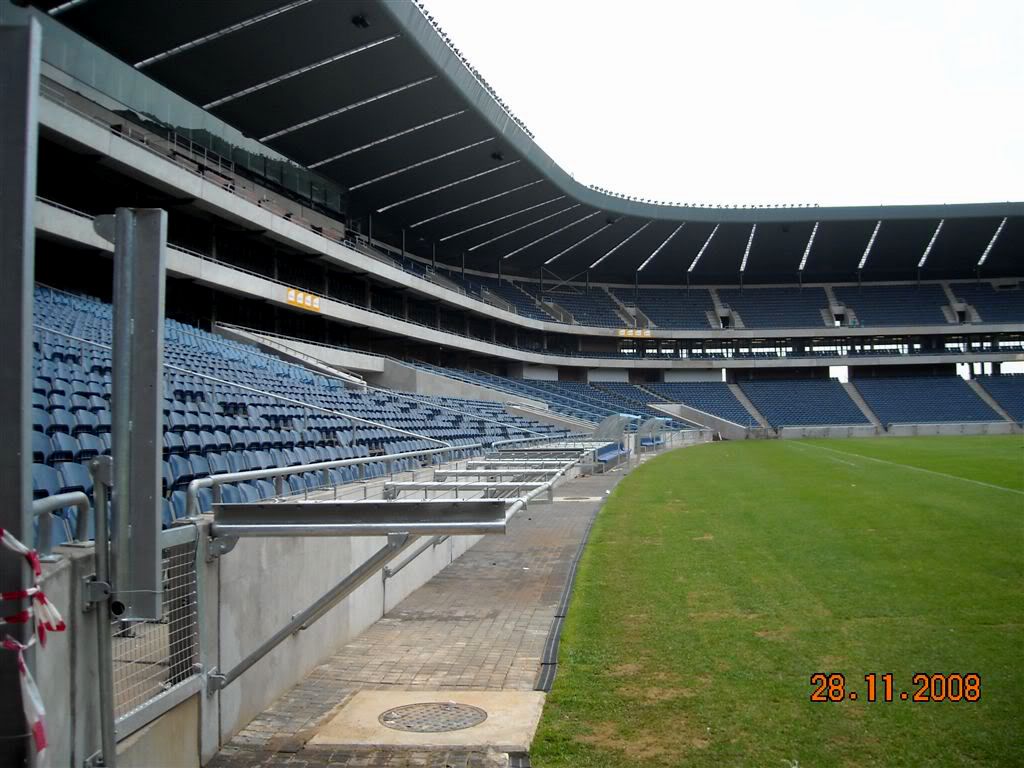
[737, 102]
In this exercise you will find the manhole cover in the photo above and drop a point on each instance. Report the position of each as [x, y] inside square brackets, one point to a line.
[577, 498]
[432, 717]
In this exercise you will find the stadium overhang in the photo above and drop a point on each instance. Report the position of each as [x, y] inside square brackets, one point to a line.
[372, 95]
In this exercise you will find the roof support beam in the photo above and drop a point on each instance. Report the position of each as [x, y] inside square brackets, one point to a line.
[66, 7]
[693, 264]
[449, 185]
[658, 249]
[429, 160]
[614, 249]
[551, 234]
[342, 110]
[487, 199]
[928, 248]
[502, 218]
[870, 245]
[564, 251]
[807, 250]
[296, 72]
[992, 242]
[746, 251]
[221, 33]
[524, 226]
[385, 139]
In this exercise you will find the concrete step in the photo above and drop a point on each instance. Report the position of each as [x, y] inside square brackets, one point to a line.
[859, 401]
[990, 401]
[751, 409]
[622, 310]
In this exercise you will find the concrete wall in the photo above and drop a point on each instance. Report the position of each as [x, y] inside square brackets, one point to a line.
[694, 374]
[981, 428]
[791, 433]
[551, 417]
[608, 374]
[244, 597]
[405, 378]
[727, 429]
[335, 356]
[540, 372]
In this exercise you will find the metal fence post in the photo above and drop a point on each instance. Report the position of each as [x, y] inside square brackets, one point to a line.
[19, 92]
[140, 244]
[100, 468]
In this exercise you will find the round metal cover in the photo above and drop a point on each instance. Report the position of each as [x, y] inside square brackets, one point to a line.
[432, 717]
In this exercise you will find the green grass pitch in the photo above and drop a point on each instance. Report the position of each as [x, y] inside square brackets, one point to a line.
[719, 578]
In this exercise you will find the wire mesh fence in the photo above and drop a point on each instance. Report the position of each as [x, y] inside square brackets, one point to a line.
[151, 657]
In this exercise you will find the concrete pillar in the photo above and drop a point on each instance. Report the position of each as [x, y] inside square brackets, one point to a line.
[19, 84]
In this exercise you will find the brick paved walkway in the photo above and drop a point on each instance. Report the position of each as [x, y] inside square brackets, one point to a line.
[479, 624]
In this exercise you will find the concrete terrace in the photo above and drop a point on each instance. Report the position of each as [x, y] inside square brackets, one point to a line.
[479, 625]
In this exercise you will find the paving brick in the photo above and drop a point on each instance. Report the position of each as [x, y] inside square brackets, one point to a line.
[480, 624]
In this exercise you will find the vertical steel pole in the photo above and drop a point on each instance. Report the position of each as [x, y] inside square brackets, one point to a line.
[19, 92]
[140, 238]
[100, 467]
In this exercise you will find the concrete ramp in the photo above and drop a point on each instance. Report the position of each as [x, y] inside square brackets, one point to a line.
[859, 401]
[745, 402]
[990, 401]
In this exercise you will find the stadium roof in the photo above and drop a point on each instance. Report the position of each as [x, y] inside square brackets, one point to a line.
[370, 94]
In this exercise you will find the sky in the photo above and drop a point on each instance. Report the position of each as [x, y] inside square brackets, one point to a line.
[756, 103]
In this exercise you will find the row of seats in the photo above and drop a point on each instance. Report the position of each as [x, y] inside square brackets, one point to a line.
[806, 402]
[593, 307]
[924, 400]
[712, 397]
[224, 411]
[1008, 391]
[777, 307]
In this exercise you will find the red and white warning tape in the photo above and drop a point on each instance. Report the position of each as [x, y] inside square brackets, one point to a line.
[31, 701]
[48, 619]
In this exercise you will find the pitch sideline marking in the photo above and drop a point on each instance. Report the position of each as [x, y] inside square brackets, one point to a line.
[920, 469]
[841, 461]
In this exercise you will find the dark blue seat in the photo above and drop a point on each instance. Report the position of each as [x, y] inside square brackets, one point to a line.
[63, 447]
[265, 489]
[89, 446]
[45, 481]
[181, 471]
[166, 513]
[200, 466]
[74, 477]
[229, 494]
[179, 501]
[40, 448]
[205, 499]
[167, 476]
[103, 421]
[61, 421]
[248, 493]
[218, 464]
[193, 443]
[235, 460]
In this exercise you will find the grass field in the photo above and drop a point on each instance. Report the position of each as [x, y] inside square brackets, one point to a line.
[719, 578]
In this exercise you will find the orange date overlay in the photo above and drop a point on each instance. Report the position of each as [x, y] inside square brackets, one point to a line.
[832, 687]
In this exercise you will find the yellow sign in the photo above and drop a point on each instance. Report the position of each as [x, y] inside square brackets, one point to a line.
[303, 299]
[635, 333]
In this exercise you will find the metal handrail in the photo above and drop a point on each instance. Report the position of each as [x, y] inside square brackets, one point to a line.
[212, 481]
[43, 509]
